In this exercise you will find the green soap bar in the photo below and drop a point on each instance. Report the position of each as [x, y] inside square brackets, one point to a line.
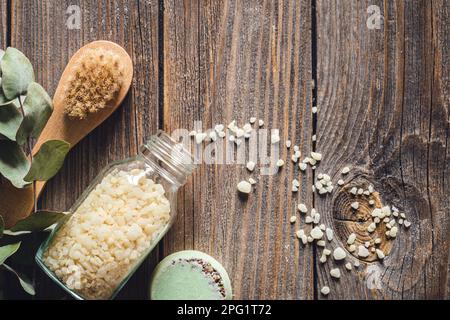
[190, 275]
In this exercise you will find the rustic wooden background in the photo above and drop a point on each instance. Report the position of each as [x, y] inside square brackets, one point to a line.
[383, 98]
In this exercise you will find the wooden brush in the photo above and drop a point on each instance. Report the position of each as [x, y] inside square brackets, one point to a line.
[92, 87]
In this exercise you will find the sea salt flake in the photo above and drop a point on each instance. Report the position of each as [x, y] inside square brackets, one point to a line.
[316, 156]
[329, 234]
[251, 165]
[316, 233]
[339, 254]
[345, 170]
[380, 254]
[288, 143]
[244, 187]
[302, 208]
[219, 128]
[335, 273]
[363, 252]
[325, 290]
[351, 238]
[280, 163]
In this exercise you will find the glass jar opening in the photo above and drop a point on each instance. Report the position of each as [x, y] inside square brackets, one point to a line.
[168, 158]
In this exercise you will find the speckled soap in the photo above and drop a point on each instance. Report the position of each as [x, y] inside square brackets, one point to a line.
[190, 275]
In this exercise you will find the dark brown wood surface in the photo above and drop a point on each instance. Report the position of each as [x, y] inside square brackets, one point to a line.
[234, 60]
[3, 23]
[383, 97]
[383, 111]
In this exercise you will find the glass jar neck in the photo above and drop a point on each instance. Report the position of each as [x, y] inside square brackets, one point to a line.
[168, 158]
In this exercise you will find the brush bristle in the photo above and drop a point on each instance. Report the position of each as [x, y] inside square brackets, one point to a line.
[96, 81]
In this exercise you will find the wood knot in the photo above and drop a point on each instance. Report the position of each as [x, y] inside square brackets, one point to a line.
[353, 206]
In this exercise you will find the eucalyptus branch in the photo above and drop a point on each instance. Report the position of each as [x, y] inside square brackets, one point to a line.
[23, 120]
[30, 153]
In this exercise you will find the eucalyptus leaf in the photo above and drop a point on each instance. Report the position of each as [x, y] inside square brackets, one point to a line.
[2, 53]
[8, 251]
[30, 242]
[48, 161]
[23, 280]
[14, 164]
[10, 120]
[3, 99]
[17, 73]
[38, 221]
[38, 108]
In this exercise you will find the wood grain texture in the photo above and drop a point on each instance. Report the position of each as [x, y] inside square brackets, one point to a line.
[383, 97]
[3, 24]
[39, 30]
[226, 60]
[383, 110]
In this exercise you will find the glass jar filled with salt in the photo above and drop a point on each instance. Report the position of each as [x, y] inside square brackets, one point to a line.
[117, 221]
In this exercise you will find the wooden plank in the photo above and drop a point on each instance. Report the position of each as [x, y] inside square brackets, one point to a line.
[383, 110]
[226, 60]
[39, 29]
[438, 269]
[3, 24]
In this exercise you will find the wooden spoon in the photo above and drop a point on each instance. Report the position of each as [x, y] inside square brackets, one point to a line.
[16, 204]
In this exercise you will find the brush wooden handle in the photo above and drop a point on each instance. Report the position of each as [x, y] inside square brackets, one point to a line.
[16, 204]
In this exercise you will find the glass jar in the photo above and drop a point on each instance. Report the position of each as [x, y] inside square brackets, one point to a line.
[117, 221]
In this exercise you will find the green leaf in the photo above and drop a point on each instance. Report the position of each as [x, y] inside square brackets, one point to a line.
[23, 280]
[2, 226]
[17, 73]
[38, 221]
[10, 120]
[8, 251]
[48, 161]
[3, 99]
[14, 164]
[2, 96]
[7, 102]
[38, 108]
[2, 53]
